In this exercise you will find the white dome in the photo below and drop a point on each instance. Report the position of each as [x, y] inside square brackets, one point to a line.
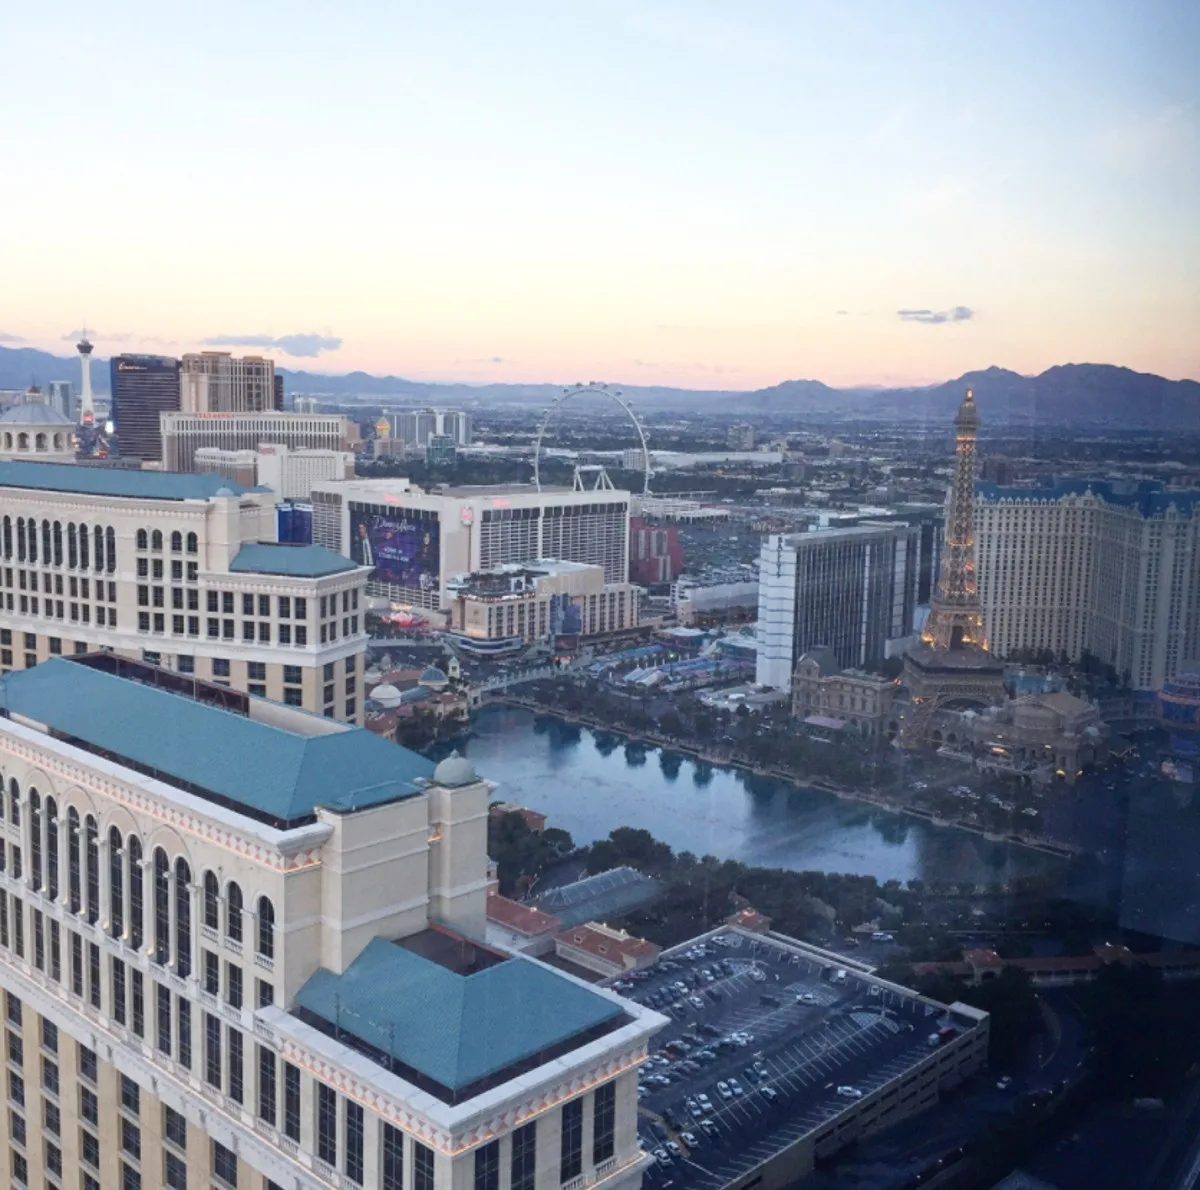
[373, 676]
[386, 695]
[454, 771]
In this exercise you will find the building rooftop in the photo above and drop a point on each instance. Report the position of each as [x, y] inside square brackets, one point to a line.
[34, 413]
[296, 561]
[521, 919]
[451, 1030]
[603, 942]
[606, 894]
[270, 773]
[115, 481]
[1148, 497]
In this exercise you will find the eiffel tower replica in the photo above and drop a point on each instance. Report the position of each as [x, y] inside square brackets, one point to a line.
[951, 667]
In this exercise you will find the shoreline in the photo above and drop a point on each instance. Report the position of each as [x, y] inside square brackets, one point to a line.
[815, 784]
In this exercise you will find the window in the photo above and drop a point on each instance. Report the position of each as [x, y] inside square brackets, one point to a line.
[116, 883]
[17, 1127]
[256, 671]
[422, 1167]
[176, 541]
[49, 1036]
[135, 892]
[20, 1170]
[12, 1008]
[92, 868]
[327, 1124]
[266, 993]
[131, 1095]
[51, 1117]
[16, 1049]
[54, 1159]
[224, 1163]
[50, 1076]
[212, 1050]
[162, 907]
[174, 1127]
[392, 1165]
[164, 1018]
[212, 901]
[220, 667]
[174, 1171]
[130, 1178]
[301, 608]
[212, 973]
[89, 1105]
[131, 1138]
[354, 1142]
[16, 1088]
[266, 928]
[89, 1148]
[233, 912]
[183, 918]
[291, 1101]
[487, 1166]
[524, 1157]
[137, 999]
[183, 1022]
[233, 985]
[236, 1066]
[293, 696]
[604, 1109]
[266, 1084]
[118, 991]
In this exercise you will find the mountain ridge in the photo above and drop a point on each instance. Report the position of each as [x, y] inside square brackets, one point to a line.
[1064, 394]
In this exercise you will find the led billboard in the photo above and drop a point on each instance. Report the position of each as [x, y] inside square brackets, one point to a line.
[402, 546]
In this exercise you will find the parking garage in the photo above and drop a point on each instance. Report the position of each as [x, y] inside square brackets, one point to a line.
[779, 1054]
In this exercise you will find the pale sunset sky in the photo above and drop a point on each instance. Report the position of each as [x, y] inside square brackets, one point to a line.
[711, 195]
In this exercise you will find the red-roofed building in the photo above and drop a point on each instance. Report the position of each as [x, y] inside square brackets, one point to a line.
[533, 819]
[749, 919]
[518, 927]
[608, 952]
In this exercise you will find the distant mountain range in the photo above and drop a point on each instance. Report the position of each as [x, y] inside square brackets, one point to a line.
[1083, 395]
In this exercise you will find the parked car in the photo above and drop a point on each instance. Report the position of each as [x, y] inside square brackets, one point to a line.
[724, 1090]
[849, 1092]
[806, 998]
[770, 1094]
[1004, 1083]
[690, 1139]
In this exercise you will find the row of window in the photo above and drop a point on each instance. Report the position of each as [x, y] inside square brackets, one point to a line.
[93, 548]
[153, 540]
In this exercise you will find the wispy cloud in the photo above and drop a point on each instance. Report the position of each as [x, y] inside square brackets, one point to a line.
[308, 344]
[490, 359]
[7, 338]
[937, 317]
[841, 312]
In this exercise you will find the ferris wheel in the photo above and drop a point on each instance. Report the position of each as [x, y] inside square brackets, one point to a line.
[594, 388]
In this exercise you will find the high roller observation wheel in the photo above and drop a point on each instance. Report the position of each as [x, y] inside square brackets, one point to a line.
[595, 389]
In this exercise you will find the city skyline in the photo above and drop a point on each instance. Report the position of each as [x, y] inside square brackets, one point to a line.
[658, 196]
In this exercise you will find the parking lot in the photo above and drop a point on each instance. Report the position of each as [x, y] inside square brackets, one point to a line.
[766, 1043]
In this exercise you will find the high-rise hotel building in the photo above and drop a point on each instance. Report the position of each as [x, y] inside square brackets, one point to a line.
[219, 382]
[142, 388]
[1080, 565]
[416, 541]
[182, 434]
[183, 571]
[239, 953]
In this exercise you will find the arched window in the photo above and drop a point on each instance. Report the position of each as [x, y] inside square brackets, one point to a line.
[39, 441]
[176, 542]
[8, 537]
[162, 907]
[116, 884]
[233, 912]
[156, 541]
[74, 867]
[72, 549]
[193, 544]
[266, 928]
[212, 901]
[142, 540]
[20, 539]
[136, 933]
[52, 848]
[183, 918]
[47, 548]
[31, 531]
[14, 802]
[98, 542]
[35, 838]
[84, 560]
[110, 550]
[92, 868]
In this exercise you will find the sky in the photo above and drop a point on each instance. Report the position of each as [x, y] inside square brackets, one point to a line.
[699, 194]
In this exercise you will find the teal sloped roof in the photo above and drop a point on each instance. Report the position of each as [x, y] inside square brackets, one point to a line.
[453, 1029]
[266, 770]
[114, 481]
[298, 561]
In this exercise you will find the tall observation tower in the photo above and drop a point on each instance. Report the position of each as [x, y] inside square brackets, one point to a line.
[87, 412]
[951, 668]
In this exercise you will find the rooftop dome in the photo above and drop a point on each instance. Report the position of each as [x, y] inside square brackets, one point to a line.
[386, 695]
[431, 674]
[34, 413]
[454, 771]
[373, 676]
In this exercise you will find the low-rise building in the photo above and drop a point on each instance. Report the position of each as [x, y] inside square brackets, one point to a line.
[820, 688]
[606, 951]
[289, 473]
[1056, 733]
[519, 603]
[521, 928]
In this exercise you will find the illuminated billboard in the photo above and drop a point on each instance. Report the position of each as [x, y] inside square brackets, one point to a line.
[402, 545]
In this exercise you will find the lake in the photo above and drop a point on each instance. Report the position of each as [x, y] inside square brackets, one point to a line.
[590, 782]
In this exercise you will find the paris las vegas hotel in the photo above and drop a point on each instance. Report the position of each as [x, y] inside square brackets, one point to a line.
[237, 953]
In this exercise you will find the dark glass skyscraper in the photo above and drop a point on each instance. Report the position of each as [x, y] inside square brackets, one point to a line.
[143, 386]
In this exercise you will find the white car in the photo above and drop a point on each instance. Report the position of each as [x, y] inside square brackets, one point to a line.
[806, 998]
[724, 1091]
[849, 1092]
[1004, 1083]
